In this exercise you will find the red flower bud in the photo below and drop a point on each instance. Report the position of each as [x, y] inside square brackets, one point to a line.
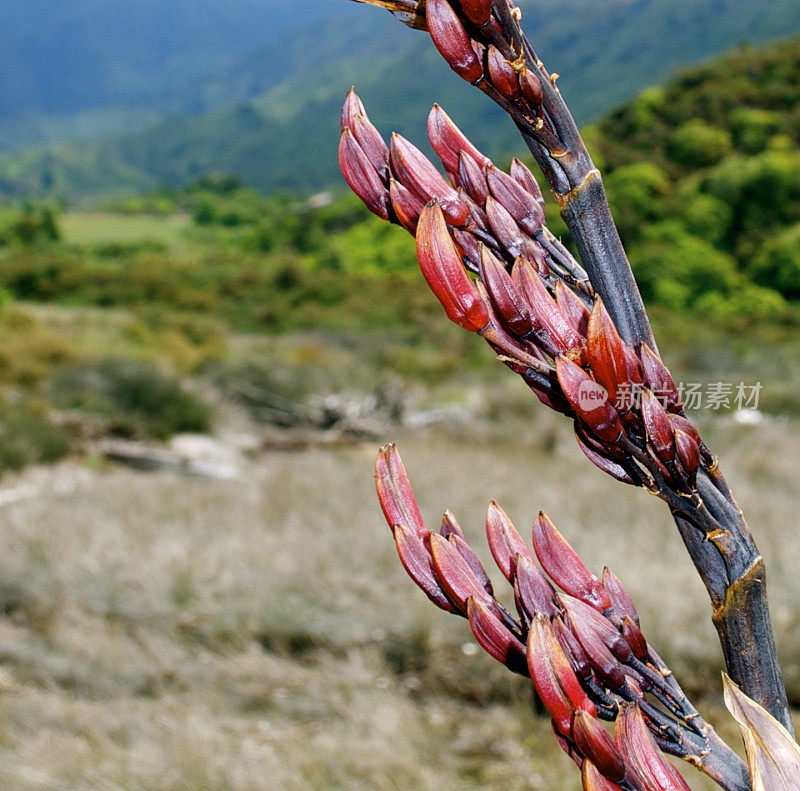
[502, 75]
[362, 177]
[635, 639]
[371, 142]
[555, 680]
[603, 463]
[417, 562]
[533, 592]
[493, 636]
[406, 204]
[469, 248]
[593, 780]
[658, 427]
[454, 574]
[544, 309]
[352, 108]
[572, 306]
[521, 205]
[605, 351]
[564, 567]
[450, 526]
[395, 494]
[505, 229]
[641, 754]
[505, 543]
[477, 11]
[449, 141]
[589, 400]
[471, 559]
[417, 173]
[505, 297]
[688, 452]
[472, 179]
[658, 378]
[531, 89]
[523, 176]
[621, 600]
[452, 40]
[442, 268]
[594, 743]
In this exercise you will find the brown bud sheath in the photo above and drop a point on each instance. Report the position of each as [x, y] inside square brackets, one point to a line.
[555, 681]
[441, 266]
[494, 637]
[573, 649]
[523, 176]
[593, 780]
[533, 590]
[605, 351]
[658, 427]
[505, 543]
[469, 248]
[658, 378]
[641, 754]
[585, 619]
[688, 452]
[593, 741]
[449, 141]
[505, 228]
[450, 526]
[452, 40]
[589, 400]
[564, 567]
[418, 174]
[352, 108]
[418, 564]
[680, 423]
[454, 574]
[466, 552]
[572, 306]
[531, 89]
[371, 142]
[502, 75]
[621, 600]
[406, 204]
[361, 176]
[477, 11]
[544, 309]
[395, 494]
[603, 463]
[505, 297]
[472, 179]
[521, 205]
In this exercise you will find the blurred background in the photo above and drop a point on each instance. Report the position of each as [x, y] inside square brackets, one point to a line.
[204, 339]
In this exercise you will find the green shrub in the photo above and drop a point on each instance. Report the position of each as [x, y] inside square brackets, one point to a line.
[137, 398]
[696, 144]
[27, 436]
[777, 263]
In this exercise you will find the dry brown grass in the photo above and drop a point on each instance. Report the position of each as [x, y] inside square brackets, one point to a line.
[174, 634]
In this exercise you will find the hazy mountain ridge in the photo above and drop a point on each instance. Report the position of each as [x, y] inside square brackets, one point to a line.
[282, 134]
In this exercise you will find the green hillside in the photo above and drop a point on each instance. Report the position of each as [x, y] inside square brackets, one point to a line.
[282, 132]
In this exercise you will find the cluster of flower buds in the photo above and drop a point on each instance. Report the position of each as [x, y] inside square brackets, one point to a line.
[531, 301]
[576, 636]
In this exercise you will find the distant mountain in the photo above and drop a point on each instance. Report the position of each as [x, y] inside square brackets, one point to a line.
[271, 117]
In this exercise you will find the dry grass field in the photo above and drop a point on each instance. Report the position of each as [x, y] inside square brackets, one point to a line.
[168, 633]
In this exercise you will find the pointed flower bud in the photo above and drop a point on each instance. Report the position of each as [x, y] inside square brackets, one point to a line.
[564, 567]
[589, 400]
[406, 204]
[452, 40]
[493, 636]
[504, 228]
[417, 562]
[658, 378]
[450, 526]
[352, 107]
[521, 205]
[395, 494]
[505, 297]
[371, 142]
[621, 600]
[361, 176]
[454, 574]
[555, 680]
[605, 351]
[635, 639]
[477, 11]
[585, 620]
[502, 75]
[472, 179]
[641, 754]
[571, 306]
[544, 309]
[449, 141]
[442, 268]
[603, 463]
[472, 560]
[505, 543]
[523, 176]
[533, 590]
[658, 427]
[573, 649]
[469, 249]
[418, 174]
[594, 743]
[688, 452]
[531, 89]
